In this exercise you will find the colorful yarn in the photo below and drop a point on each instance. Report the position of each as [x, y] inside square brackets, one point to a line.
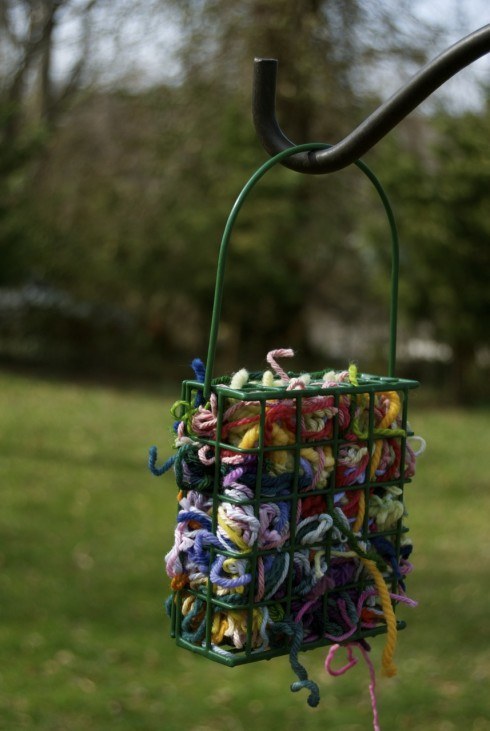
[289, 528]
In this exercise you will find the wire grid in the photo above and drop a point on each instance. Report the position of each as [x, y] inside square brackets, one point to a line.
[368, 386]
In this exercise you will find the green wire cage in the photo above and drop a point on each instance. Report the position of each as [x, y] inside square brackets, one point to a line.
[290, 529]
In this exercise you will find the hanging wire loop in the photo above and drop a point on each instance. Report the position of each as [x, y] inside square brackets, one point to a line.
[225, 241]
[377, 125]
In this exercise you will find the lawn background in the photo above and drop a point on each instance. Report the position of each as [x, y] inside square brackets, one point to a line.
[84, 640]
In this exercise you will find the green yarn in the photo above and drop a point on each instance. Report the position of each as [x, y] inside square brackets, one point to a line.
[294, 630]
[354, 543]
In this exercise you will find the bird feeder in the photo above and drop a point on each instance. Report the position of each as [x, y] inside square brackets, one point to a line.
[290, 529]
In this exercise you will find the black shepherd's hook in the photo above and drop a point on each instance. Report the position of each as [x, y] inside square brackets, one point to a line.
[377, 125]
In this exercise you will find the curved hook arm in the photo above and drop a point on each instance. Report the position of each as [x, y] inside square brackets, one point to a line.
[377, 125]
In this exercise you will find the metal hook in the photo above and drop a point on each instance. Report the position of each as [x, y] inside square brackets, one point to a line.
[377, 125]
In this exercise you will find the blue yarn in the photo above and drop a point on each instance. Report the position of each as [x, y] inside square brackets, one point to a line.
[204, 520]
[387, 551]
[307, 468]
[198, 552]
[280, 522]
[406, 550]
[200, 372]
[152, 458]
[268, 561]
[271, 485]
[199, 369]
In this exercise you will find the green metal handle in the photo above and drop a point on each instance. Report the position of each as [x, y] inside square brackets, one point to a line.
[223, 252]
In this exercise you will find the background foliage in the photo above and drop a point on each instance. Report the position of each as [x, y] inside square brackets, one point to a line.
[114, 190]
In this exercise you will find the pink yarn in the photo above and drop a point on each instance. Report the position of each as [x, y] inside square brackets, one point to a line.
[279, 353]
[350, 664]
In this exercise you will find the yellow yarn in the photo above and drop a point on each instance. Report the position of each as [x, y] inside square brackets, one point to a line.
[219, 627]
[229, 565]
[388, 418]
[283, 437]
[237, 540]
[319, 555]
[361, 512]
[389, 668]
[250, 438]
[312, 456]
[237, 622]
[343, 554]
[353, 374]
[279, 437]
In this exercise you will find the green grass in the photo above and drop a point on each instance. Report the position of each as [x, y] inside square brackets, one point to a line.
[84, 640]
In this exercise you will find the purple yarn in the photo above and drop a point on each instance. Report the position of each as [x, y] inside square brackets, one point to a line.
[233, 476]
[342, 572]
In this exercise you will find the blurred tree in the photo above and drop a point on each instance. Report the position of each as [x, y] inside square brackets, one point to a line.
[295, 236]
[438, 176]
[121, 194]
[31, 100]
[29, 90]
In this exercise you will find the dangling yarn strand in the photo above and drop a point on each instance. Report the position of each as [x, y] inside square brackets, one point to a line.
[351, 661]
